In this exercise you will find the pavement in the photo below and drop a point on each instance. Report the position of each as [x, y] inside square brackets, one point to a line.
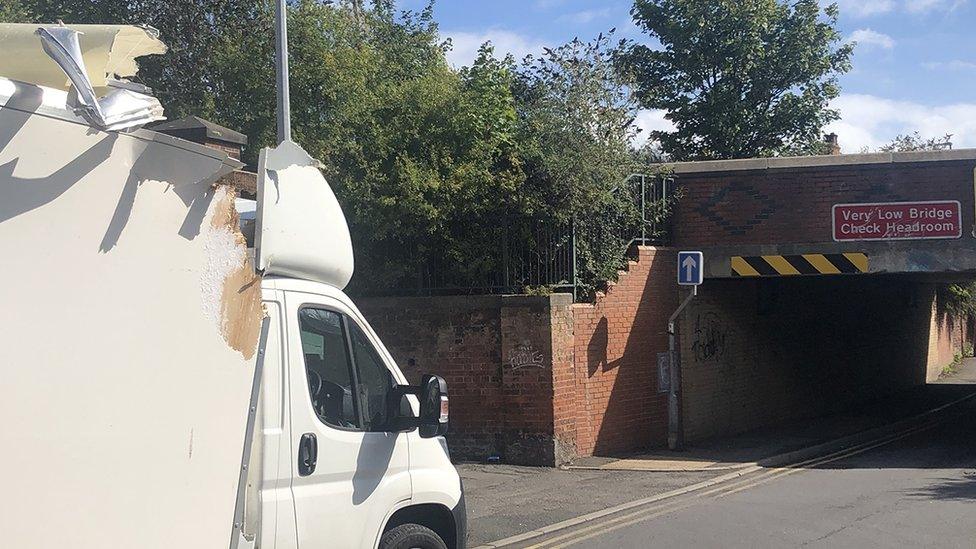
[917, 491]
[505, 501]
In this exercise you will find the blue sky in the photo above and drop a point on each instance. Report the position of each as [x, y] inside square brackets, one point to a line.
[914, 67]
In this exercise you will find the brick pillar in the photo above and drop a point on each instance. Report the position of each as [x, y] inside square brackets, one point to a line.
[527, 376]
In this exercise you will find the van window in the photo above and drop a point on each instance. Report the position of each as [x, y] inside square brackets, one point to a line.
[375, 381]
[328, 367]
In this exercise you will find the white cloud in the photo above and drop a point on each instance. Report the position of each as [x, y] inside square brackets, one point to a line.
[584, 17]
[954, 65]
[465, 45]
[648, 121]
[870, 38]
[922, 6]
[865, 8]
[871, 121]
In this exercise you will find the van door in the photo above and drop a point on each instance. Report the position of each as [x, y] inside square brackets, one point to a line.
[349, 473]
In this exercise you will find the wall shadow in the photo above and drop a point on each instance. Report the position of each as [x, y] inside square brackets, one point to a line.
[596, 349]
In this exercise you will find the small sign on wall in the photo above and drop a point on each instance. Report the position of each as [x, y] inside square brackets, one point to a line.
[663, 372]
[897, 220]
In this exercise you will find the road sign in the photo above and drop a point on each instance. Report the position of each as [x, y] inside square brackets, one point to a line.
[897, 220]
[690, 268]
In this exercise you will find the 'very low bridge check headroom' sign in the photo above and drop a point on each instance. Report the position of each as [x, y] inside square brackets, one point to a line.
[897, 220]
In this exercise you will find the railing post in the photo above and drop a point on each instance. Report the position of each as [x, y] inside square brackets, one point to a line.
[575, 278]
[643, 216]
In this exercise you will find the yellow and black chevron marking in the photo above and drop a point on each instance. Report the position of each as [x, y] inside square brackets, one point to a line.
[805, 264]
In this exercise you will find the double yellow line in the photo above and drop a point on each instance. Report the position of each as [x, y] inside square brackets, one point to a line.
[725, 489]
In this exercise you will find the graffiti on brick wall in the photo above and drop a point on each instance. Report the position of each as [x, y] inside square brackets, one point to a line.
[525, 356]
[711, 337]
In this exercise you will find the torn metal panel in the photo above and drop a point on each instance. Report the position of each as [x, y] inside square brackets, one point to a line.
[120, 108]
[301, 231]
[107, 51]
[130, 320]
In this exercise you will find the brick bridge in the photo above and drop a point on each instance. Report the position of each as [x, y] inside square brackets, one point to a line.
[782, 210]
[796, 317]
[825, 281]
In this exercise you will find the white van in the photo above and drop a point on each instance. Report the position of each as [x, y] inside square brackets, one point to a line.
[158, 388]
[340, 466]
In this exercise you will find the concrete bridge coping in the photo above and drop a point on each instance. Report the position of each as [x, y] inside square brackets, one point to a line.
[792, 162]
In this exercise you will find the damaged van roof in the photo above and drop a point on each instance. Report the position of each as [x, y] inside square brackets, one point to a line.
[93, 60]
[108, 51]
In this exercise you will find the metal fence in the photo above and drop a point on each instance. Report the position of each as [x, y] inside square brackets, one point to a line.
[542, 253]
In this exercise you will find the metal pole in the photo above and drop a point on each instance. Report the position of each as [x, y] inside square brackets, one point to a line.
[675, 436]
[643, 215]
[281, 68]
[575, 278]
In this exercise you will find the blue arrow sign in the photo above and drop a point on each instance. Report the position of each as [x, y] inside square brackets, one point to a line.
[690, 268]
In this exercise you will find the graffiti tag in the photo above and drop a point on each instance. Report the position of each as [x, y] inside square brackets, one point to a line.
[525, 356]
[710, 337]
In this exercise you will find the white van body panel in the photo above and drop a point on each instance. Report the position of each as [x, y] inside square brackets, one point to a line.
[124, 399]
[300, 229]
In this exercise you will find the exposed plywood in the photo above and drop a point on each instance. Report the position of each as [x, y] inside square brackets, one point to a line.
[240, 288]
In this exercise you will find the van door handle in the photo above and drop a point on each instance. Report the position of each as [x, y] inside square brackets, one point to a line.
[308, 454]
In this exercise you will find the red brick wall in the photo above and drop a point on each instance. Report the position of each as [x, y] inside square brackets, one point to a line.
[948, 336]
[497, 355]
[539, 380]
[786, 206]
[617, 338]
[458, 338]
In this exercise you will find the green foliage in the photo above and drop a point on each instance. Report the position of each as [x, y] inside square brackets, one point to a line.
[953, 367]
[958, 299]
[575, 134]
[13, 11]
[915, 142]
[437, 169]
[739, 78]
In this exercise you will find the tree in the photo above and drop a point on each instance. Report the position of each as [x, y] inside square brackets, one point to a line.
[738, 78]
[576, 132]
[915, 142]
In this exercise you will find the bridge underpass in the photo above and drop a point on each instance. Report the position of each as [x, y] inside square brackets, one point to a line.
[825, 282]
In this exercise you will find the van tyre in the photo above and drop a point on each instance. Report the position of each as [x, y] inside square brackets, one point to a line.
[411, 536]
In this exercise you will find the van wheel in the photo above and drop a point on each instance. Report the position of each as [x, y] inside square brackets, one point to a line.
[411, 536]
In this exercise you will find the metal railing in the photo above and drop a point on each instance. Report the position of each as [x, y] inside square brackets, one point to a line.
[541, 253]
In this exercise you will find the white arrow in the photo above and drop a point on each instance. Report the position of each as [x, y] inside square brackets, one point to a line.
[689, 265]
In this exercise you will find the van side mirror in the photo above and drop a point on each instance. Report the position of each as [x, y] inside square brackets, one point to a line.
[434, 406]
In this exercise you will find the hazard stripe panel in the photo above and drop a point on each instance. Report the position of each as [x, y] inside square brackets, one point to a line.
[803, 264]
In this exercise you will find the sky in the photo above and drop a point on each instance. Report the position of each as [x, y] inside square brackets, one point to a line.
[914, 65]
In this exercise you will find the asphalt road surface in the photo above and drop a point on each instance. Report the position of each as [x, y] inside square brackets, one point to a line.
[918, 490]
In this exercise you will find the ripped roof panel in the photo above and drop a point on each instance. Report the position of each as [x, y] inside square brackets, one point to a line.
[108, 51]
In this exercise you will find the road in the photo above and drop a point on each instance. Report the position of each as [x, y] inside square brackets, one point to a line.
[916, 491]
